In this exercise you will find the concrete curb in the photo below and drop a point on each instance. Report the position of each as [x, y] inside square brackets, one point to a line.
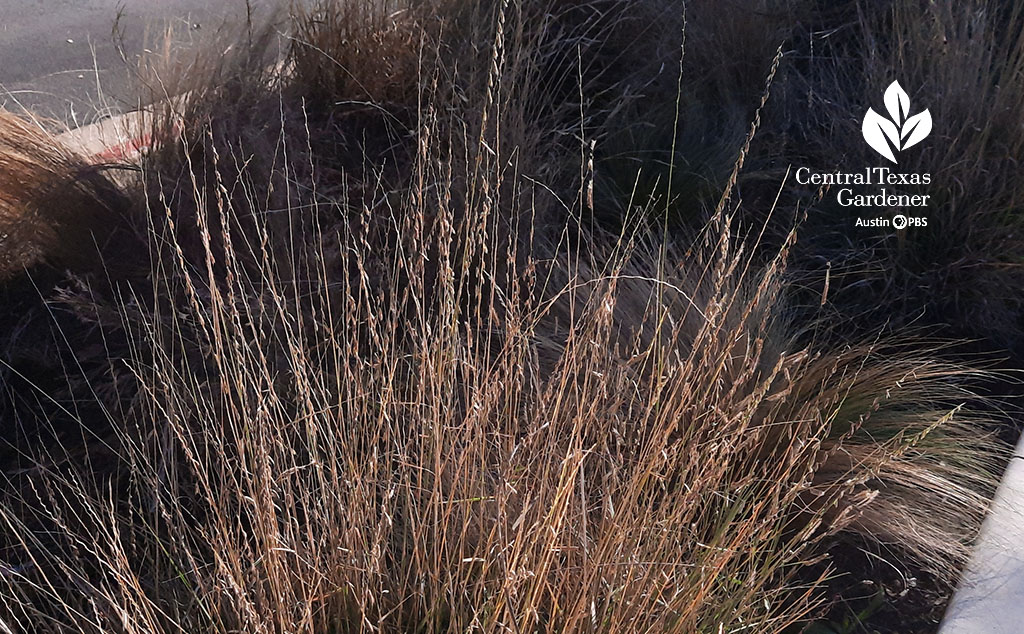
[990, 599]
[119, 138]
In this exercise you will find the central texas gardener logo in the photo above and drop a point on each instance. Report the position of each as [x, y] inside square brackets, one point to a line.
[900, 131]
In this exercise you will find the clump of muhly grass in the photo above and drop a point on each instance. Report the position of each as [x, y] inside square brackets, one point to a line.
[395, 385]
[54, 206]
[963, 62]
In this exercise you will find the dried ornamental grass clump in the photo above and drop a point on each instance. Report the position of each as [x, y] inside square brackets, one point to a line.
[397, 385]
[54, 206]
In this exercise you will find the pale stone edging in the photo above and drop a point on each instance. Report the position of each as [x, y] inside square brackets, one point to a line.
[119, 138]
[990, 599]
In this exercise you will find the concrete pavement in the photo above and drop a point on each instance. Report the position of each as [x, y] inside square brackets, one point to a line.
[62, 59]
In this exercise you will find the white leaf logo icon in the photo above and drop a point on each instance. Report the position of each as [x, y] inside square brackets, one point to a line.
[900, 131]
[879, 132]
[897, 102]
[916, 128]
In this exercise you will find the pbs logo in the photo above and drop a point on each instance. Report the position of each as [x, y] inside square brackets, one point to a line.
[899, 221]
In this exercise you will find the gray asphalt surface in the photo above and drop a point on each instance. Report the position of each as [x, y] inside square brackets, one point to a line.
[60, 58]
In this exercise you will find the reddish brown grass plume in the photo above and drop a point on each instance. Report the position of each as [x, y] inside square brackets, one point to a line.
[54, 206]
